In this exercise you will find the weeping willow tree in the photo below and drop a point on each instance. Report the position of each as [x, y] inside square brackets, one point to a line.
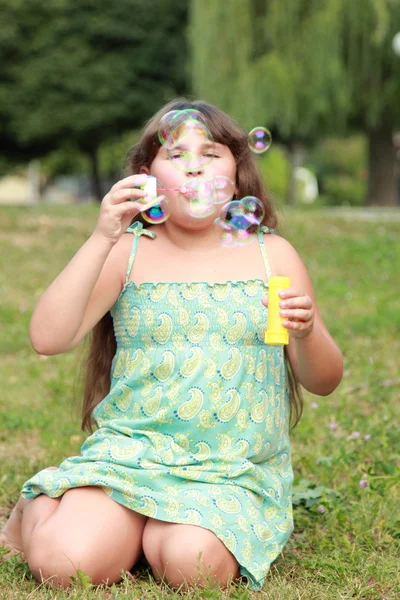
[304, 68]
[373, 70]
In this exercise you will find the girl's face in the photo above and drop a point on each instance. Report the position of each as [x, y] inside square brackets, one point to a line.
[203, 160]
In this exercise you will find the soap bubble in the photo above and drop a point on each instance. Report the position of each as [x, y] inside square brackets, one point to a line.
[259, 140]
[224, 189]
[245, 214]
[174, 118]
[239, 221]
[158, 213]
[177, 148]
[201, 196]
[225, 234]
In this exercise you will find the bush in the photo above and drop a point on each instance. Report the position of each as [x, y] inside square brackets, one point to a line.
[340, 165]
[342, 189]
[274, 169]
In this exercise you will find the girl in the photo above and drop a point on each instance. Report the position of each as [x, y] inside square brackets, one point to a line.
[190, 460]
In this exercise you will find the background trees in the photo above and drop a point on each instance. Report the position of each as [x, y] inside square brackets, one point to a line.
[79, 79]
[82, 74]
[306, 69]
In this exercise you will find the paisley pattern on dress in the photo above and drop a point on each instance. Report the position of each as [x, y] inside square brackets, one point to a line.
[195, 427]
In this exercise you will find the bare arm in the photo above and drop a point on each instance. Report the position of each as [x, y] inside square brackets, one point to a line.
[314, 356]
[91, 282]
[63, 316]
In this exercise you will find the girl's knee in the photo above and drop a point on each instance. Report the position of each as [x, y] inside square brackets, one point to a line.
[55, 559]
[189, 556]
[57, 565]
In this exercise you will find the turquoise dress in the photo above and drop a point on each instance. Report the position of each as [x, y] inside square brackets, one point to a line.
[195, 427]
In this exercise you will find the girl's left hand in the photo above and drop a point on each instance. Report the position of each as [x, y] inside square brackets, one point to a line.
[297, 311]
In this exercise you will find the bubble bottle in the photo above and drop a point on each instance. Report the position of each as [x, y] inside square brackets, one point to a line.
[157, 206]
[276, 333]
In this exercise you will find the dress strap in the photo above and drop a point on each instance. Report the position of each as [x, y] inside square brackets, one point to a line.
[137, 229]
[263, 229]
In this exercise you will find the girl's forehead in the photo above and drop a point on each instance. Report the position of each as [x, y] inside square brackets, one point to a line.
[188, 143]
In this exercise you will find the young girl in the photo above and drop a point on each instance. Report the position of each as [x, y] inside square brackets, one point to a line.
[190, 459]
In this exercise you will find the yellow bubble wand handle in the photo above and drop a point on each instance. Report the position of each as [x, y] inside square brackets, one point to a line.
[276, 333]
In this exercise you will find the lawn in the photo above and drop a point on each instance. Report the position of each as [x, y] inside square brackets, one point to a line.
[346, 453]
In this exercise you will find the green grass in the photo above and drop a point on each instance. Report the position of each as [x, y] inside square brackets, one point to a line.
[348, 551]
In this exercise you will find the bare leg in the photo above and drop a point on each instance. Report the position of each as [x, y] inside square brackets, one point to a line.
[87, 530]
[11, 534]
[187, 555]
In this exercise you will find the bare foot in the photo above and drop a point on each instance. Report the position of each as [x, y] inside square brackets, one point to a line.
[10, 535]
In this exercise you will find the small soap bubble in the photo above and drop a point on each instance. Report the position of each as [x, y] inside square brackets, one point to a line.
[166, 125]
[173, 119]
[201, 195]
[234, 214]
[254, 209]
[246, 213]
[259, 140]
[244, 236]
[224, 232]
[224, 189]
[158, 213]
[177, 146]
[243, 219]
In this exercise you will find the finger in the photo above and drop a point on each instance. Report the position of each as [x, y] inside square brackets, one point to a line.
[298, 314]
[297, 302]
[127, 208]
[132, 208]
[125, 194]
[131, 181]
[290, 293]
[293, 325]
[264, 300]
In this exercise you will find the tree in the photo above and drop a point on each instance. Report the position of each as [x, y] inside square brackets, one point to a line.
[374, 78]
[85, 73]
[304, 68]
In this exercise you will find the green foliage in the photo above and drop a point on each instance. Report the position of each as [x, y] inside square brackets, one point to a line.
[86, 73]
[343, 190]
[340, 165]
[68, 159]
[274, 168]
[304, 68]
[82, 580]
[307, 493]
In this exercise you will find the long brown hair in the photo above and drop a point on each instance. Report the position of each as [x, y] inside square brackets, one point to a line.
[226, 131]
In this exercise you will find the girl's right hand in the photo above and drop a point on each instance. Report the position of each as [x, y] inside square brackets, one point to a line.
[120, 206]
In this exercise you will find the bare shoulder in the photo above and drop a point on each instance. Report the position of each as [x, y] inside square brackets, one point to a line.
[283, 257]
[119, 256]
[116, 265]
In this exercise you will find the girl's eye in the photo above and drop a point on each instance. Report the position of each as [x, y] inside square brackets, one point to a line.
[211, 155]
[176, 155]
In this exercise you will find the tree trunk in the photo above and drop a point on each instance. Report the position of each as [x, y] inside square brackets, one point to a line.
[382, 188]
[295, 155]
[96, 180]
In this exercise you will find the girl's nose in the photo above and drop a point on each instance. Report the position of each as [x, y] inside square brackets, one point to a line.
[195, 167]
[195, 171]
